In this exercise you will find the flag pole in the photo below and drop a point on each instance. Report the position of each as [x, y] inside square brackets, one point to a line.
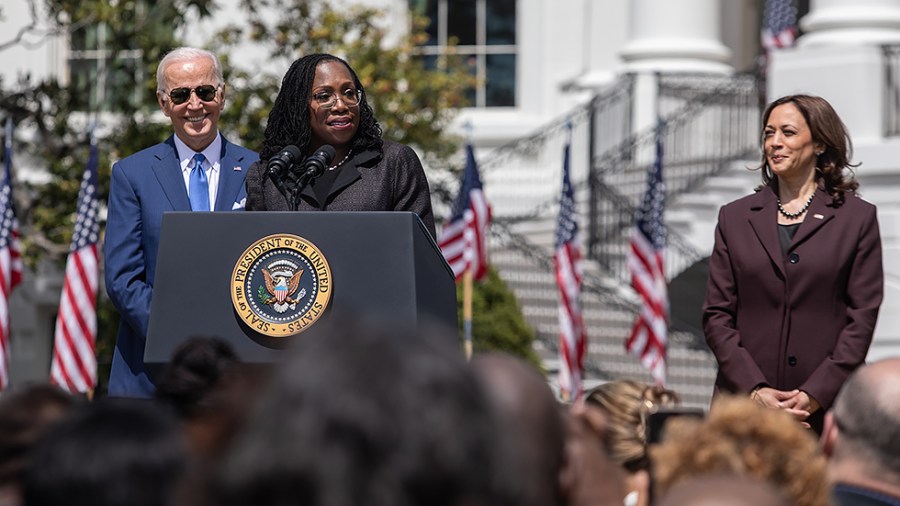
[92, 141]
[467, 283]
[467, 313]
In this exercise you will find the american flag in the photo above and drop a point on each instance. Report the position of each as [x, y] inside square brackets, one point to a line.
[463, 239]
[10, 255]
[645, 263]
[779, 24]
[74, 366]
[567, 261]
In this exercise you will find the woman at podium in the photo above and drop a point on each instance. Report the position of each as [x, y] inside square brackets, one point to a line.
[323, 150]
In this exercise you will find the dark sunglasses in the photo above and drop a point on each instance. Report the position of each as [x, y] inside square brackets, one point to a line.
[206, 93]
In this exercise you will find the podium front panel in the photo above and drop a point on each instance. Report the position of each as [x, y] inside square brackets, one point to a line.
[383, 264]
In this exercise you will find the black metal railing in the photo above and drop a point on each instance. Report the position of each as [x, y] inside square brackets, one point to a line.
[523, 177]
[710, 121]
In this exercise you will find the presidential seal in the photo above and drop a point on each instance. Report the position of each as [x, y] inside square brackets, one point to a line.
[281, 285]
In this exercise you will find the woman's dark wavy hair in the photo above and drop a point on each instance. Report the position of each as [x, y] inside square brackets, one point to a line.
[827, 129]
[289, 118]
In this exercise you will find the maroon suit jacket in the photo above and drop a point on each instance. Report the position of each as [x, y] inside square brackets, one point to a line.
[803, 319]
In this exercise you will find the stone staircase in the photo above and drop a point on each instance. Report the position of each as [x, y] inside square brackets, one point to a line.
[693, 215]
[609, 310]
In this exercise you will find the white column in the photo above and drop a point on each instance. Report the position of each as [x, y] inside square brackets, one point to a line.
[850, 22]
[669, 36]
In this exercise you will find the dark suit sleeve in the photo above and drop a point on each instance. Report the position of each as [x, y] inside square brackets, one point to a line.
[865, 290]
[411, 191]
[255, 197]
[123, 251]
[736, 366]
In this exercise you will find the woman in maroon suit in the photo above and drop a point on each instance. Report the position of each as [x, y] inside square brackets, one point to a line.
[795, 278]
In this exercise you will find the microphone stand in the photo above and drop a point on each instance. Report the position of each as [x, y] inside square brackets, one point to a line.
[308, 175]
[313, 167]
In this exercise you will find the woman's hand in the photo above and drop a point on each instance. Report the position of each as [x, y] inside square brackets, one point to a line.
[772, 398]
[803, 401]
[795, 402]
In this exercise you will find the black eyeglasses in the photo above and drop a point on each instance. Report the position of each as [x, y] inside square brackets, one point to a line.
[206, 93]
[328, 99]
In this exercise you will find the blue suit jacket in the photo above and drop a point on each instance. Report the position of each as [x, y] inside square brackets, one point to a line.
[144, 186]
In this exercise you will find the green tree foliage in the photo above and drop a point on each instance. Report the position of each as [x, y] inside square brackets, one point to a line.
[414, 104]
[497, 322]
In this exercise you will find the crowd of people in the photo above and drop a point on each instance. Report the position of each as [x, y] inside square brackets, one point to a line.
[366, 414]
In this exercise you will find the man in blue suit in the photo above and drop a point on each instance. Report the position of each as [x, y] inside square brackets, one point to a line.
[196, 169]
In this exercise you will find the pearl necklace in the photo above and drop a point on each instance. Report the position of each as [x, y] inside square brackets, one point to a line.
[342, 161]
[794, 216]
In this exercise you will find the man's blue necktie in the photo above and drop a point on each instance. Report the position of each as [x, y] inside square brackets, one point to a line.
[198, 188]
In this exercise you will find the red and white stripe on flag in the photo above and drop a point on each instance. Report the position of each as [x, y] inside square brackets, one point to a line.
[779, 28]
[567, 264]
[10, 255]
[10, 276]
[649, 336]
[572, 334]
[463, 239]
[74, 366]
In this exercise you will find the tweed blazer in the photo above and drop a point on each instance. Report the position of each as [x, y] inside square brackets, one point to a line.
[390, 180]
[801, 319]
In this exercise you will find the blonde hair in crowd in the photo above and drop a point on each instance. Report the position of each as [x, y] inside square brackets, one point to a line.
[626, 405]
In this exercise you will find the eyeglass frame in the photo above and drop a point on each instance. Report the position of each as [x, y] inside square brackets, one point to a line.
[194, 91]
[337, 96]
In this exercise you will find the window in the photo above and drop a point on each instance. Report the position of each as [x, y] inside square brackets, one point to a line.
[103, 77]
[485, 32]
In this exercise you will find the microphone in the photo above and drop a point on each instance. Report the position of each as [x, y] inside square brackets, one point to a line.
[314, 166]
[280, 164]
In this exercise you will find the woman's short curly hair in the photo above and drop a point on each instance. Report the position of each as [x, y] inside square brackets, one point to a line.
[746, 439]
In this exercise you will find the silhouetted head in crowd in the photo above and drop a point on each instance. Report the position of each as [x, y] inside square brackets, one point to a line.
[25, 415]
[589, 477]
[108, 453]
[862, 432]
[723, 490]
[363, 414]
[197, 366]
[741, 437]
[532, 435]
